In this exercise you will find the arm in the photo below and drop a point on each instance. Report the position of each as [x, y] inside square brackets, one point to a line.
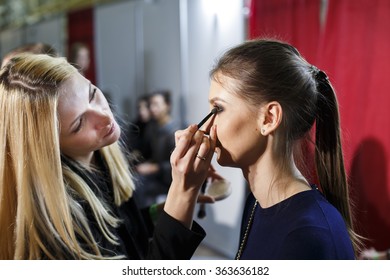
[175, 235]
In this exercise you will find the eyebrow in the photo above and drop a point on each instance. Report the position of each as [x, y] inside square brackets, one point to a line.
[79, 116]
[212, 100]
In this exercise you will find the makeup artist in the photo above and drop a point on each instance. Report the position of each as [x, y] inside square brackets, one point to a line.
[269, 98]
[65, 187]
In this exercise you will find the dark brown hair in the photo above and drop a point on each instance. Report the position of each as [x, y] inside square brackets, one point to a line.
[268, 70]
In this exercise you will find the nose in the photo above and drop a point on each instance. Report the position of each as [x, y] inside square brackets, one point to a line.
[102, 120]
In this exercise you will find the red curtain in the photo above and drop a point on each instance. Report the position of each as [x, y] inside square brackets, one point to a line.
[354, 50]
[81, 29]
[294, 21]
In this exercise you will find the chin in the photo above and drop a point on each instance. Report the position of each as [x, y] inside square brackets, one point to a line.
[223, 158]
[111, 139]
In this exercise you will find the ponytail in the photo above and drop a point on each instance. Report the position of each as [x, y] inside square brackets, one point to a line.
[328, 153]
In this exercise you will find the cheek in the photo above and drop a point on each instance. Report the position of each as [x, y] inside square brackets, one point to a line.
[75, 143]
[227, 132]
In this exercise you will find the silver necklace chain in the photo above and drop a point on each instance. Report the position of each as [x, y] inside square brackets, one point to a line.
[245, 237]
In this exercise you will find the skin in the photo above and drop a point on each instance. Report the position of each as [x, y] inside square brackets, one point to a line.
[159, 109]
[143, 111]
[81, 101]
[245, 139]
[83, 60]
[87, 123]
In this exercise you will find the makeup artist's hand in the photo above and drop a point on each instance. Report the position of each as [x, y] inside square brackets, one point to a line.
[190, 162]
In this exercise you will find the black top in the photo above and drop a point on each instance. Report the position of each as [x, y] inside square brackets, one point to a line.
[138, 238]
[161, 139]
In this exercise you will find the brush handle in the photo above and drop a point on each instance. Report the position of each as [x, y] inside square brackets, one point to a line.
[202, 206]
[215, 110]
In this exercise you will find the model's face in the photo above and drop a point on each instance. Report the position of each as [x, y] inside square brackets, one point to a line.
[158, 107]
[86, 121]
[239, 141]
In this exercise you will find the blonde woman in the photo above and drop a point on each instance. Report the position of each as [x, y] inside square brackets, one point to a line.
[65, 187]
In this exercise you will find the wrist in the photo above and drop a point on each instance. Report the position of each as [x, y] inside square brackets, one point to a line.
[181, 207]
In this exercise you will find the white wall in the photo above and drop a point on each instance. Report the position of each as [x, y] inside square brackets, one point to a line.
[10, 39]
[138, 52]
[116, 54]
[213, 26]
[161, 25]
[50, 31]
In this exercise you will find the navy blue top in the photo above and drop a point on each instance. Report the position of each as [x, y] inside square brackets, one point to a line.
[304, 226]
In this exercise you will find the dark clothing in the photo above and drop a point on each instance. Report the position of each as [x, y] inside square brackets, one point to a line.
[304, 226]
[161, 140]
[137, 237]
[137, 142]
[162, 143]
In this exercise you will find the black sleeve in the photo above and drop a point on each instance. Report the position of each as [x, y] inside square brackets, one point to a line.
[147, 220]
[173, 241]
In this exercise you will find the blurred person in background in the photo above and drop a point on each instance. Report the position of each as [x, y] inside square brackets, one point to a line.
[79, 56]
[34, 48]
[136, 140]
[155, 171]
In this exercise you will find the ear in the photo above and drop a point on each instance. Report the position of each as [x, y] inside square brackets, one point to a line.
[270, 117]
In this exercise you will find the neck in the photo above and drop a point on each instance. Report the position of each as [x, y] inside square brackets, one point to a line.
[164, 119]
[87, 161]
[271, 185]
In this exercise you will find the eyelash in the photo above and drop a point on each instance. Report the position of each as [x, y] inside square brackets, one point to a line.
[79, 126]
[81, 119]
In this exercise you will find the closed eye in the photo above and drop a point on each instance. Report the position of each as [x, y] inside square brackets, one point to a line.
[77, 129]
[92, 95]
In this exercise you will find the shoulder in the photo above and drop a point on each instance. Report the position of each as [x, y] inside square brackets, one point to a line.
[312, 208]
[317, 230]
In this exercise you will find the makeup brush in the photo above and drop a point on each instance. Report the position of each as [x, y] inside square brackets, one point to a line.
[213, 111]
[202, 206]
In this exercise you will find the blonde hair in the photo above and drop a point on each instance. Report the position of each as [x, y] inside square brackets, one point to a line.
[40, 216]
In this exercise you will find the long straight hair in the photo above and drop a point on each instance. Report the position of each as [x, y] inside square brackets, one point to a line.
[40, 216]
